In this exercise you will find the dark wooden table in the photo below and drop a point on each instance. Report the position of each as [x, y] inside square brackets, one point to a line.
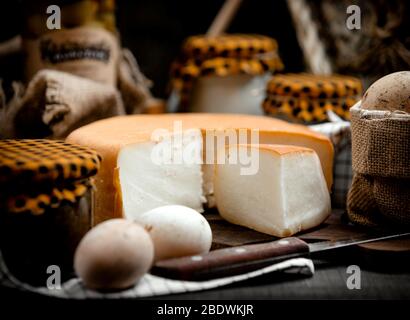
[383, 275]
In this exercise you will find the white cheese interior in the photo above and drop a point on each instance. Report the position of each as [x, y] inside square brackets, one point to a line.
[287, 194]
[294, 140]
[146, 185]
[208, 186]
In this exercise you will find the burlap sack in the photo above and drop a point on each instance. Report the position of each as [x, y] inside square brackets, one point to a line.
[135, 87]
[380, 191]
[9, 108]
[56, 103]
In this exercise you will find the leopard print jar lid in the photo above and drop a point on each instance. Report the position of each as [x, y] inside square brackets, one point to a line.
[37, 174]
[241, 46]
[36, 160]
[307, 97]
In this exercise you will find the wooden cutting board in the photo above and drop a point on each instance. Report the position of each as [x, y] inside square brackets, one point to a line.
[336, 227]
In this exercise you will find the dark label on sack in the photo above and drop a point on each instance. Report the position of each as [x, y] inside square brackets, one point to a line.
[54, 53]
[88, 52]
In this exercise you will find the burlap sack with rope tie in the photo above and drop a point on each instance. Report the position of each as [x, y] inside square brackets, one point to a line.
[55, 102]
[380, 191]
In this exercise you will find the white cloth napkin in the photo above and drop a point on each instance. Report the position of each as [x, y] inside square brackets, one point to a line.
[150, 285]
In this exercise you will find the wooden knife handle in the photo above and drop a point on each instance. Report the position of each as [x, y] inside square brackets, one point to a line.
[230, 261]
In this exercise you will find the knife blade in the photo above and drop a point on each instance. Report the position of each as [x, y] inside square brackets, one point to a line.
[242, 259]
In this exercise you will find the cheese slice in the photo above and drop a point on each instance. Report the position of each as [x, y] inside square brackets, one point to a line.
[288, 193]
[148, 181]
[126, 173]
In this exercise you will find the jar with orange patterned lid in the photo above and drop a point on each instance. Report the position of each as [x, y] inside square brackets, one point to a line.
[45, 205]
[308, 98]
[224, 74]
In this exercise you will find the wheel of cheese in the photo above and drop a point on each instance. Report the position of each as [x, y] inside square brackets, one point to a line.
[129, 183]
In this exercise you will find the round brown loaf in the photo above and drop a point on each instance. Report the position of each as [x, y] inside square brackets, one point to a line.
[390, 93]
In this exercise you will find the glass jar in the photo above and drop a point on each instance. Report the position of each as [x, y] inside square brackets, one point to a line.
[224, 74]
[46, 205]
[30, 243]
[308, 98]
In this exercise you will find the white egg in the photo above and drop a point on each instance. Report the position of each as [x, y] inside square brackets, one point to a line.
[177, 231]
[114, 255]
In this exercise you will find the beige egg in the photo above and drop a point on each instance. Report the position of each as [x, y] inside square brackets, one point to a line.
[390, 93]
[177, 231]
[114, 255]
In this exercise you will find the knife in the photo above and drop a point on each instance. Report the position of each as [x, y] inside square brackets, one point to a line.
[242, 259]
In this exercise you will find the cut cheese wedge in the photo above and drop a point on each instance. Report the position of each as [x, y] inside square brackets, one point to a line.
[288, 193]
[148, 181]
[129, 182]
